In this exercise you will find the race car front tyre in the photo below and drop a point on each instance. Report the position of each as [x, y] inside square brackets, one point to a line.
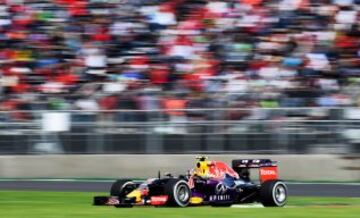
[121, 188]
[273, 193]
[178, 192]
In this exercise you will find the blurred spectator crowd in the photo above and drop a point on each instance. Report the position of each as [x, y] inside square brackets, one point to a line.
[176, 54]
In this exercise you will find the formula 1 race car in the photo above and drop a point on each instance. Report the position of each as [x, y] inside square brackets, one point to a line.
[210, 183]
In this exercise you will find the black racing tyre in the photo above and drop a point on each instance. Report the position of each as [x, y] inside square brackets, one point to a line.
[178, 192]
[122, 187]
[273, 193]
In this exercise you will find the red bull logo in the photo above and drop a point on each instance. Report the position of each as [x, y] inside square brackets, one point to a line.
[214, 169]
[218, 170]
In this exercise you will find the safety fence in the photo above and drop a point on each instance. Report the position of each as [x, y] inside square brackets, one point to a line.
[220, 130]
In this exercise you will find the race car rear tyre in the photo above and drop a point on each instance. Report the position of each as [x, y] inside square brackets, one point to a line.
[121, 188]
[178, 192]
[273, 193]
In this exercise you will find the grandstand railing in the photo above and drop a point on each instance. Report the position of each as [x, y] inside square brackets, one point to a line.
[211, 130]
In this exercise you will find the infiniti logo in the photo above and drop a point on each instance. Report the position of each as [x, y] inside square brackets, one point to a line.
[220, 189]
[219, 198]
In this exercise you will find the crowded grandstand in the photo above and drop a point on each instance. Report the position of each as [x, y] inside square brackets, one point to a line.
[177, 54]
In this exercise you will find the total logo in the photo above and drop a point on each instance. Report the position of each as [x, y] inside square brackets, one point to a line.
[267, 172]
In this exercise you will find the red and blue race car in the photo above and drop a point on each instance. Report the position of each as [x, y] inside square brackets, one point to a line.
[209, 183]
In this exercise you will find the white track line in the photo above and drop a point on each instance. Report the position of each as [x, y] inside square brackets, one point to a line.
[247, 206]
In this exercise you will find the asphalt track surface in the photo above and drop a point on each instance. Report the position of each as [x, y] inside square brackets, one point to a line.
[295, 189]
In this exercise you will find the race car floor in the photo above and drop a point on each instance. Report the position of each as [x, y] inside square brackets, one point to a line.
[295, 189]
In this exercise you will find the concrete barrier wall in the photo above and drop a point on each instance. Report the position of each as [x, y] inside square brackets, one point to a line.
[291, 167]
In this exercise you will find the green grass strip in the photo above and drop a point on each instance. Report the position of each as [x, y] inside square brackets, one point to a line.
[35, 204]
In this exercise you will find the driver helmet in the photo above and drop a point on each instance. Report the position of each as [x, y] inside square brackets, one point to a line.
[202, 167]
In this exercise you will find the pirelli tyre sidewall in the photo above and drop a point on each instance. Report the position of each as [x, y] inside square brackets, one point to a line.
[178, 192]
[273, 193]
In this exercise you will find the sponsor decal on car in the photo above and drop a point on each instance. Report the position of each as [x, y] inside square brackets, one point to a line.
[159, 200]
[268, 173]
[113, 201]
[191, 182]
[218, 170]
[219, 197]
[220, 189]
[196, 200]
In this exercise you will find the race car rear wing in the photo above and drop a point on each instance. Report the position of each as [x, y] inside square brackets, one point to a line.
[253, 163]
[267, 168]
